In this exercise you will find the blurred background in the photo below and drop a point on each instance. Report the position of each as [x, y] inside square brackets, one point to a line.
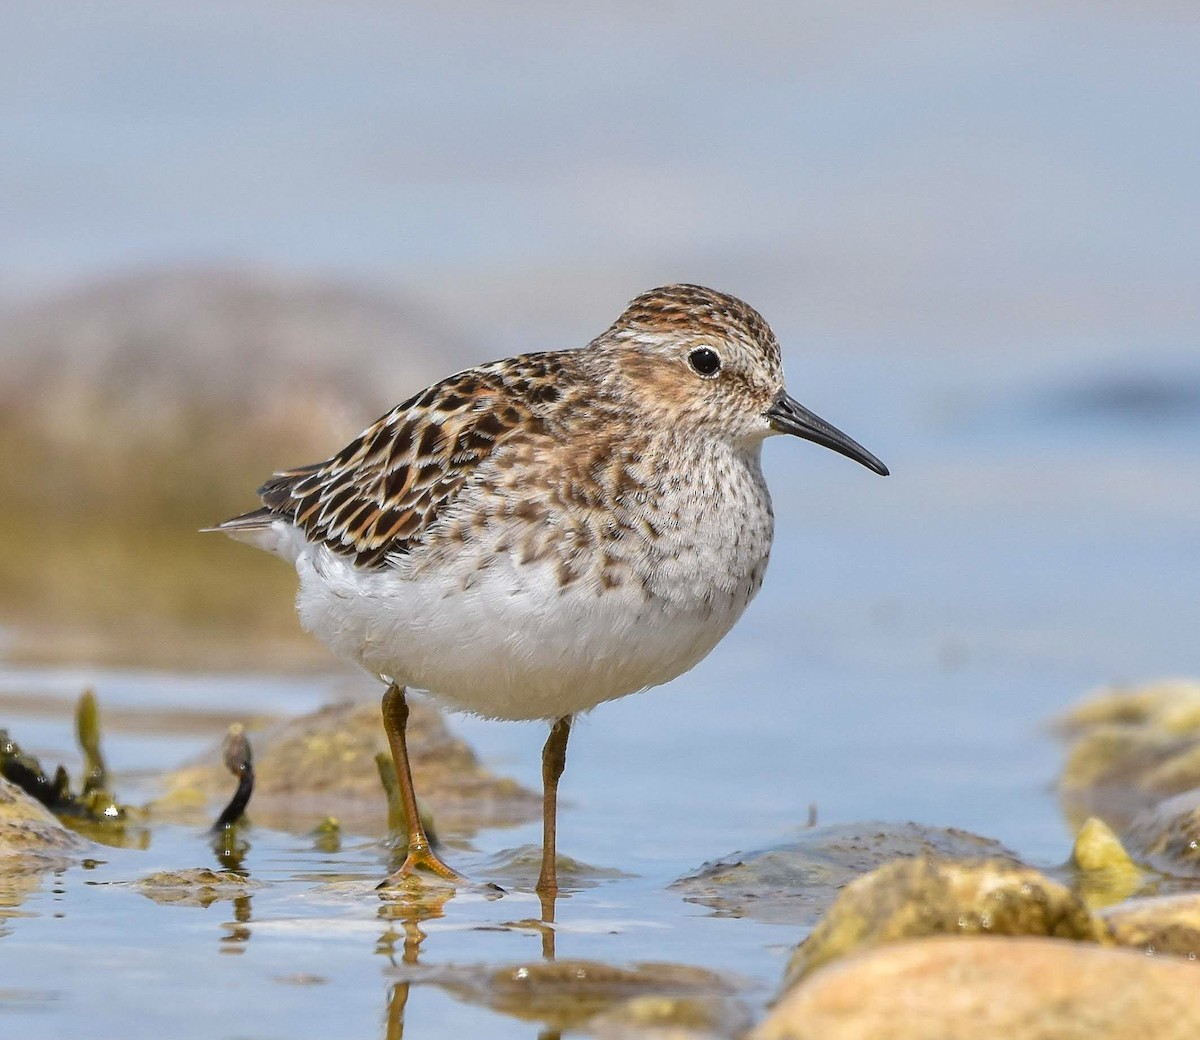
[234, 233]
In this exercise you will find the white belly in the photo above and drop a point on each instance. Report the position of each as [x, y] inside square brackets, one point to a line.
[512, 644]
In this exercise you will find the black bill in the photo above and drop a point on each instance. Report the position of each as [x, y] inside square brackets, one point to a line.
[787, 415]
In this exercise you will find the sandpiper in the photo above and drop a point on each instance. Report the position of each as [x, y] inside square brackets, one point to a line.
[535, 536]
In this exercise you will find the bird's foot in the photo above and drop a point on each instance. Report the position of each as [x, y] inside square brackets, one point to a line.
[424, 861]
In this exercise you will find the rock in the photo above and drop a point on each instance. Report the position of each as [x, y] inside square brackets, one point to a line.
[707, 1017]
[1168, 706]
[30, 835]
[1110, 770]
[204, 381]
[518, 866]
[1167, 837]
[1104, 871]
[990, 988]
[1130, 748]
[795, 883]
[309, 767]
[1097, 848]
[568, 993]
[1170, 925]
[149, 349]
[32, 842]
[930, 895]
[198, 887]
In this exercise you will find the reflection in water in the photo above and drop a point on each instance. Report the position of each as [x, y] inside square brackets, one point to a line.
[237, 931]
[555, 995]
[16, 886]
[546, 925]
[409, 906]
[230, 847]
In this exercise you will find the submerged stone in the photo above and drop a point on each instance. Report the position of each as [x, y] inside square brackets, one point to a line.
[795, 883]
[568, 993]
[931, 895]
[198, 887]
[699, 1017]
[520, 867]
[990, 988]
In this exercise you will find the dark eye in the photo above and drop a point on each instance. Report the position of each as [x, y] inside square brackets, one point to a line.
[704, 361]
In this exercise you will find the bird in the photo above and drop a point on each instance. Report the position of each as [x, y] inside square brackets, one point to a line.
[530, 538]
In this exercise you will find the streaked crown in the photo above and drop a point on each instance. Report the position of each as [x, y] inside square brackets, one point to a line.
[705, 356]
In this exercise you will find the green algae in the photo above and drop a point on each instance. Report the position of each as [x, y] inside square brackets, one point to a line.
[93, 810]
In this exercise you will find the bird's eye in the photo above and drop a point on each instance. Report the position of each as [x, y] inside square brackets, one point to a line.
[705, 362]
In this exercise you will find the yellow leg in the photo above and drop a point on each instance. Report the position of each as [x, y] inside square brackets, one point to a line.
[420, 854]
[554, 759]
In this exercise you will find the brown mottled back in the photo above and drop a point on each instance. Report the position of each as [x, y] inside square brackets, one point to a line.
[384, 491]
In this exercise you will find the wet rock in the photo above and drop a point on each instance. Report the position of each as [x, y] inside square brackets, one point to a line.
[1097, 848]
[520, 867]
[673, 1018]
[566, 994]
[795, 883]
[32, 842]
[1104, 871]
[1167, 837]
[92, 810]
[29, 833]
[1169, 925]
[199, 887]
[990, 988]
[309, 767]
[930, 895]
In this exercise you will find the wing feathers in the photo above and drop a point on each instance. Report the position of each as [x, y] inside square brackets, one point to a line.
[382, 492]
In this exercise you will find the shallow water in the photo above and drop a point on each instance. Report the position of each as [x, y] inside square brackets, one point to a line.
[912, 638]
[974, 229]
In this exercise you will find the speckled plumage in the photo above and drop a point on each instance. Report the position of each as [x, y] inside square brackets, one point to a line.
[532, 537]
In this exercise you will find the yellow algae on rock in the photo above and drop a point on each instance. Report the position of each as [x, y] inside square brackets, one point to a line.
[1168, 705]
[930, 896]
[1106, 874]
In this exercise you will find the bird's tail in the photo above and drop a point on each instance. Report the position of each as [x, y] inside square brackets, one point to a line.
[264, 529]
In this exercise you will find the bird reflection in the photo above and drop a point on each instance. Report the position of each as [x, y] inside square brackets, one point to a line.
[407, 906]
[237, 931]
[406, 909]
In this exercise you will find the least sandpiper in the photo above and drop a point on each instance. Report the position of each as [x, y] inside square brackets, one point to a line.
[533, 537]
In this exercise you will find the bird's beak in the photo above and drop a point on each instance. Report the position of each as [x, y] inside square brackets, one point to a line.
[787, 415]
